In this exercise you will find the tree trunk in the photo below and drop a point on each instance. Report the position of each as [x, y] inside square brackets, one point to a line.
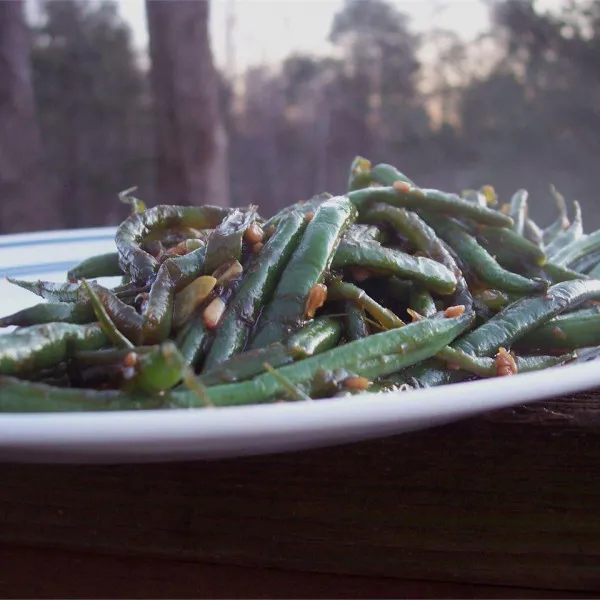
[26, 188]
[191, 139]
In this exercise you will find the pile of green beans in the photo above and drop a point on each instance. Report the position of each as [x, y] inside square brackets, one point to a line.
[389, 286]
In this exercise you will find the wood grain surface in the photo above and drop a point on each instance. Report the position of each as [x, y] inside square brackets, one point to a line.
[508, 499]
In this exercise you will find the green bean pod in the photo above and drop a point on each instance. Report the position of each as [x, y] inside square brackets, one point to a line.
[356, 326]
[42, 346]
[521, 317]
[533, 233]
[578, 329]
[387, 175]
[250, 363]
[287, 310]
[423, 238]
[45, 312]
[153, 222]
[518, 210]
[479, 260]
[431, 200]
[421, 301]
[558, 274]
[102, 265]
[360, 174]
[193, 340]
[575, 251]
[348, 291]
[225, 243]
[429, 273]
[185, 269]
[158, 314]
[256, 289]
[316, 336]
[508, 243]
[566, 237]
[304, 206]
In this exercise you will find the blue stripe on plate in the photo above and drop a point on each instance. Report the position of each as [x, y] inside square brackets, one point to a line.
[67, 240]
[23, 270]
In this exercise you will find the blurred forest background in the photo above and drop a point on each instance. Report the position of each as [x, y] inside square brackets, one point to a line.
[84, 116]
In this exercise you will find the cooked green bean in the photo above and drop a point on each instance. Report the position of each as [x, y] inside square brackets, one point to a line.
[155, 221]
[569, 235]
[433, 200]
[103, 265]
[256, 289]
[317, 336]
[521, 317]
[479, 260]
[518, 210]
[421, 301]
[348, 291]
[502, 240]
[427, 272]
[360, 174]
[45, 312]
[387, 175]
[306, 268]
[356, 326]
[423, 238]
[41, 346]
[157, 316]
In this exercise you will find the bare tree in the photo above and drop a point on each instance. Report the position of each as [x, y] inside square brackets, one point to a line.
[26, 198]
[192, 143]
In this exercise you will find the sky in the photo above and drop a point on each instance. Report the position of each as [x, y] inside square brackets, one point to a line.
[266, 31]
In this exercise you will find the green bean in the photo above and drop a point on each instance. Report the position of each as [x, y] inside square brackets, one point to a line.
[587, 261]
[363, 233]
[387, 175]
[569, 331]
[561, 223]
[65, 312]
[360, 174]
[256, 289]
[102, 265]
[348, 291]
[421, 301]
[432, 200]
[185, 269]
[250, 363]
[427, 272]
[158, 370]
[316, 336]
[385, 353]
[306, 268]
[495, 300]
[54, 292]
[225, 244]
[534, 233]
[41, 346]
[137, 205]
[305, 207]
[479, 260]
[193, 340]
[356, 326]
[158, 314]
[107, 356]
[501, 240]
[120, 322]
[148, 224]
[571, 234]
[423, 238]
[521, 317]
[594, 273]
[558, 274]
[518, 210]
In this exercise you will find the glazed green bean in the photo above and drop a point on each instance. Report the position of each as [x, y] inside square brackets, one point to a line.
[518, 210]
[479, 260]
[102, 265]
[360, 174]
[519, 249]
[139, 227]
[569, 235]
[387, 175]
[427, 272]
[348, 291]
[65, 312]
[433, 200]
[423, 238]
[158, 314]
[421, 301]
[519, 318]
[356, 326]
[225, 244]
[256, 289]
[42, 346]
[316, 336]
[306, 268]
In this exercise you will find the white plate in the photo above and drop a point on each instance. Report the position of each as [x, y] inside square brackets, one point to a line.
[237, 431]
